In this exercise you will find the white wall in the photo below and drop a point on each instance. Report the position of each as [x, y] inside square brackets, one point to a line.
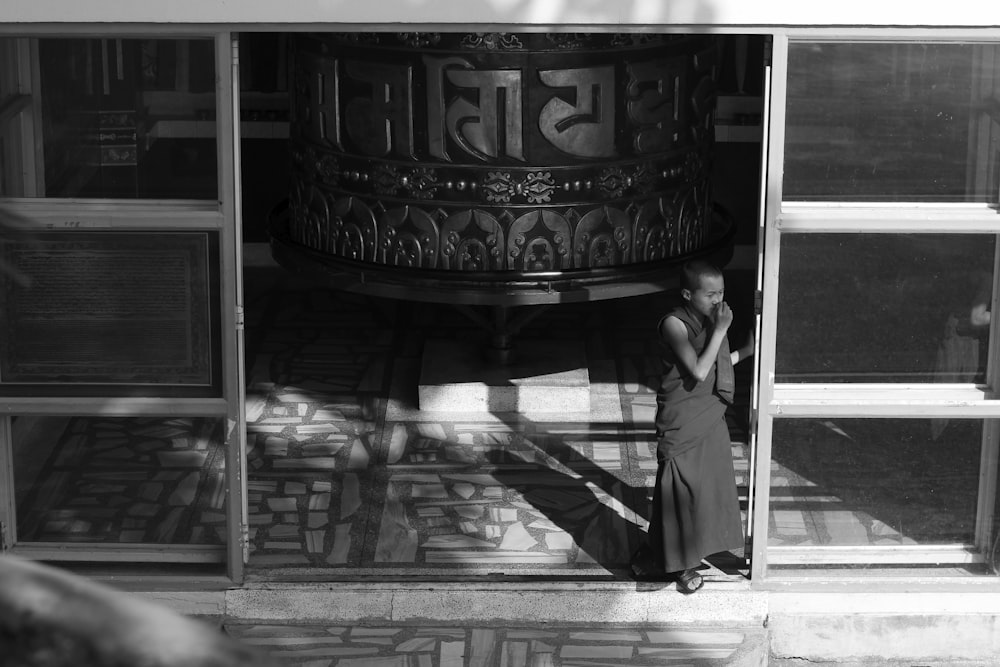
[542, 13]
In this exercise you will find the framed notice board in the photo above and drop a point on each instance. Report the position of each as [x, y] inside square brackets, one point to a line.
[112, 312]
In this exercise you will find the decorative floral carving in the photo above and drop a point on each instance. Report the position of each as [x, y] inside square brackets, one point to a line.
[492, 41]
[694, 166]
[612, 182]
[537, 187]
[568, 40]
[615, 182]
[327, 169]
[423, 183]
[419, 182]
[419, 40]
[498, 187]
[645, 179]
[361, 37]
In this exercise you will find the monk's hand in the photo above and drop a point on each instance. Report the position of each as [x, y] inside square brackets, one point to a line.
[722, 316]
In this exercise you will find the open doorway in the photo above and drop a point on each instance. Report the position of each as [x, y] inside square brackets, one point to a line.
[348, 476]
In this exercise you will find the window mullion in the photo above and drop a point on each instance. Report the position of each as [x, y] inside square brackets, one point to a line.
[902, 219]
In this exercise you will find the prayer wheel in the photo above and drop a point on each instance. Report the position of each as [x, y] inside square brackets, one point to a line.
[499, 168]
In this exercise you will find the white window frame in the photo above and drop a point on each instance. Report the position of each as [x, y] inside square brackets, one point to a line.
[221, 217]
[873, 400]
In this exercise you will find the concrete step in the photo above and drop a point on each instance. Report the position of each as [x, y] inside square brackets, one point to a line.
[503, 644]
[866, 622]
[547, 377]
[532, 623]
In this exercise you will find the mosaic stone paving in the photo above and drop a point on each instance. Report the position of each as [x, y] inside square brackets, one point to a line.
[331, 487]
[510, 495]
[338, 482]
[346, 476]
[457, 646]
[126, 480]
[334, 484]
[314, 379]
[829, 466]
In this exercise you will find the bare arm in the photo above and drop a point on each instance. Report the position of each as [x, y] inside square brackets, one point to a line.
[698, 366]
[745, 351]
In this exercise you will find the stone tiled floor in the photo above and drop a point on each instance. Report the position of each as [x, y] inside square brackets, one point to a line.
[347, 475]
[125, 480]
[458, 646]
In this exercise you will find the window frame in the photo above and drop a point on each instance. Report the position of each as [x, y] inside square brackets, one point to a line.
[219, 217]
[899, 400]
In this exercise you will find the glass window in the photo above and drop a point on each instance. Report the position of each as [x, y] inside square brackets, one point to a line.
[14, 102]
[883, 307]
[154, 480]
[110, 313]
[127, 118]
[892, 122]
[880, 482]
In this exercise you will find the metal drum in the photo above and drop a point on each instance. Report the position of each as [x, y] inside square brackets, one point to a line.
[500, 168]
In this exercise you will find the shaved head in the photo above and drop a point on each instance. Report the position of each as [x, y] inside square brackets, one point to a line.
[694, 271]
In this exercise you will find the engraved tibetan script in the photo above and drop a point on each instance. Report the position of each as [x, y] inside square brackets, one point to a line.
[481, 128]
[318, 93]
[381, 123]
[451, 108]
[586, 129]
[656, 97]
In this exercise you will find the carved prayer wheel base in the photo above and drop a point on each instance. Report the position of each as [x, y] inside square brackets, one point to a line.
[495, 303]
[471, 288]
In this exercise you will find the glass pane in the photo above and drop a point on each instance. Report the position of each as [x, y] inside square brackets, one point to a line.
[119, 480]
[892, 122]
[14, 101]
[883, 307]
[100, 310]
[847, 482]
[126, 118]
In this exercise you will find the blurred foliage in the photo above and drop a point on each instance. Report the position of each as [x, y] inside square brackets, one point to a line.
[51, 617]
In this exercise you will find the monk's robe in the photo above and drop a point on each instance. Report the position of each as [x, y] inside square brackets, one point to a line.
[695, 510]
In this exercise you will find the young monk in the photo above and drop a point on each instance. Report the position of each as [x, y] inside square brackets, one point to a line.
[695, 509]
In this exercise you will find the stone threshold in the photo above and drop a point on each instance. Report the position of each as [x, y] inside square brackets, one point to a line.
[489, 601]
[895, 621]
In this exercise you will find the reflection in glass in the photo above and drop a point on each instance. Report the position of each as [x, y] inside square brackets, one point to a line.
[892, 122]
[119, 480]
[127, 118]
[883, 307]
[881, 482]
[15, 111]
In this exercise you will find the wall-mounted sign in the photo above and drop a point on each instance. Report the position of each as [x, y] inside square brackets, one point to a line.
[111, 308]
